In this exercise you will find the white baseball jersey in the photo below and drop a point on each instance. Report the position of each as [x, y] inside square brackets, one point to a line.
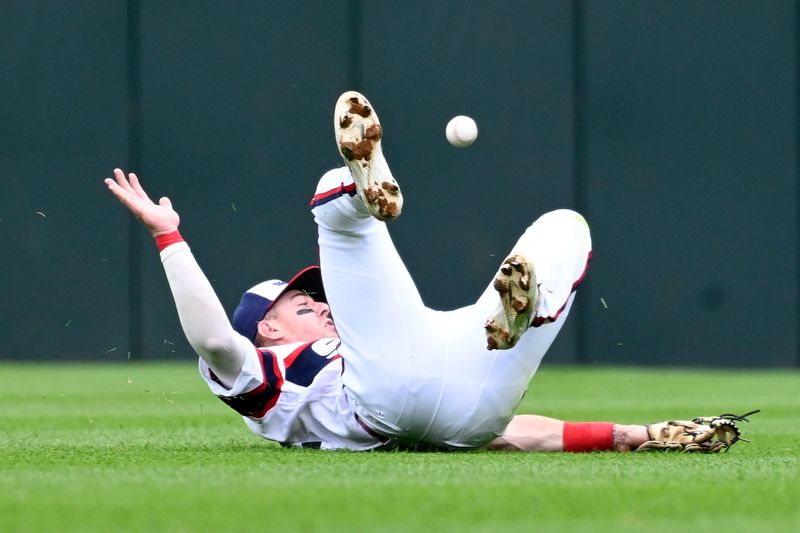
[293, 394]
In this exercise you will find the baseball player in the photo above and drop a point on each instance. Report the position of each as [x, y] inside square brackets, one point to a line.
[346, 355]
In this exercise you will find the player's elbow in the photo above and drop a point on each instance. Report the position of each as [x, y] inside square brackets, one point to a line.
[213, 348]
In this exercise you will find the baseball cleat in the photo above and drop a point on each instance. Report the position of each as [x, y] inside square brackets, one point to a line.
[358, 135]
[519, 294]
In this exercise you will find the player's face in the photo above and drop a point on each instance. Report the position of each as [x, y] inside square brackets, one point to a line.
[301, 319]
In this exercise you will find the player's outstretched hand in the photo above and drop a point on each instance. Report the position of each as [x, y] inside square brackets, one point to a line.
[160, 218]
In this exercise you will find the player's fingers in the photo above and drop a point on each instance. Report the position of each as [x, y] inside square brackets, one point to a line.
[122, 182]
[120, 176]
[121, 188]
[114, 187]
[124, 196]
[164, 201]
[136, 186]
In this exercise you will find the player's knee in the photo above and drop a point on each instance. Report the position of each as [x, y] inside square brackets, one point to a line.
[333, 179]
[565, 218]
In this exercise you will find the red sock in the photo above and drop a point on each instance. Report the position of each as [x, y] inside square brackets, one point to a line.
[588, 436]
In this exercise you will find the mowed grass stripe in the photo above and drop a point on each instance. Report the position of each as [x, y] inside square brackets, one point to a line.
[146, 447]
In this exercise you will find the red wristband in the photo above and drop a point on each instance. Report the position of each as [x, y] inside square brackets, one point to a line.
[162, 241]
[588, 436]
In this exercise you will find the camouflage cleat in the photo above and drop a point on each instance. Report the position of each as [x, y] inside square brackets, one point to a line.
[358, 135]
[519, 294]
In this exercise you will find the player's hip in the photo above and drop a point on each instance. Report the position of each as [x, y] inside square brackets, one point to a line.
[459, 411]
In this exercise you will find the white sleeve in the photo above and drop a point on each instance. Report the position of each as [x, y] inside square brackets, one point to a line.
[202, 316]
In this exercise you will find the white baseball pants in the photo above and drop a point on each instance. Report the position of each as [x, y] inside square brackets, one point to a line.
[421, 375]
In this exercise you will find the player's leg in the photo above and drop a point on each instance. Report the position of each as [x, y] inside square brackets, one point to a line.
[367, 285]
[375, 304]
[535, 433]
[557, 247]
[536, 279]
[551, 259]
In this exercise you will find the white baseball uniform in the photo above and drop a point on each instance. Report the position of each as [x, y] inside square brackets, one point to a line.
[418, 374]
[293, 394]
[403, 373]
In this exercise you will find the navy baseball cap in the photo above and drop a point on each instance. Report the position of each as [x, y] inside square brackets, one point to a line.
[257, 300]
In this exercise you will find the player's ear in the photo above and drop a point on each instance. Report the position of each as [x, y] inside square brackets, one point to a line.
[270, 329]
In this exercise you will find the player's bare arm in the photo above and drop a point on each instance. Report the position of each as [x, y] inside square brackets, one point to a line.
[202, 316]
[534, 433]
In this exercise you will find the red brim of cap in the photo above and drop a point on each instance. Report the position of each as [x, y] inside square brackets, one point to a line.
[308, 280]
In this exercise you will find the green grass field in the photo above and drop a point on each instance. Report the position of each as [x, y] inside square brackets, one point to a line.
[146, 447]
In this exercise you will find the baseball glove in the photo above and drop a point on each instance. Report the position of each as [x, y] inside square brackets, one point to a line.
[704, 434]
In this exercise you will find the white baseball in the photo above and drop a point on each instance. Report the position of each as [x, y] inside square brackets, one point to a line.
[461, 131]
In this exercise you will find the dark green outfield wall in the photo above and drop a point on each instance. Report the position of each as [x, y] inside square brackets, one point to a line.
[672, 126]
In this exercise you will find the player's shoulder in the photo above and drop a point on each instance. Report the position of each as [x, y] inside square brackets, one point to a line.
[302, 363]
